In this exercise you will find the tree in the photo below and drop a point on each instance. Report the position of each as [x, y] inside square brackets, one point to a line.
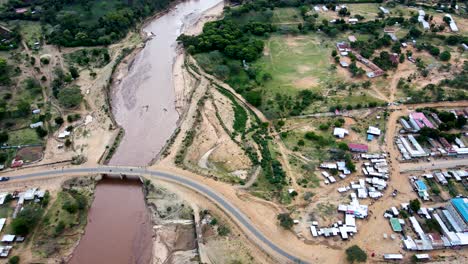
[334, 53]
[285, 220]
[447, 19]
[26, 220]
[74, 72]
[59, 120]
[461, 121]
[445, 56]
[415, 205]
[41, 132]
[3, 137]
[254, 98]
[70, 206]
[14, 260]
[355, 254]
[70, 97]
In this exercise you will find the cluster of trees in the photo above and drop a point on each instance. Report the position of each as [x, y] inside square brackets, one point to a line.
[367, 48]
[231, 40]
[384, 61]
[27, 219]
[69, 96]
[81, 26]
[294, 106]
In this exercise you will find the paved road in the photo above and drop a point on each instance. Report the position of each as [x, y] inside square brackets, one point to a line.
[202, 189]
[433, 165]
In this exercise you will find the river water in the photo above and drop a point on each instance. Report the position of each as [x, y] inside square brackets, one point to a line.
[119, 225]
[144, 102]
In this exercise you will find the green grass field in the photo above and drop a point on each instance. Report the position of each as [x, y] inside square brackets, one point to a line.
[296, 62]
[23, 137]
[286, 15]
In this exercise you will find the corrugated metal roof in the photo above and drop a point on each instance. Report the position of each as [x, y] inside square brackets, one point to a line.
[461, 204]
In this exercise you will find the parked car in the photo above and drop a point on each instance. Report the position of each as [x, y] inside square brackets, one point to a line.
[4, 179]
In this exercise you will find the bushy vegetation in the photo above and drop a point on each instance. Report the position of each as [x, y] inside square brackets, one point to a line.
[96, 57]
[285, 220]
[355, 254]
[227, 37]
[27, 219]
[70, 97]
[84, 22]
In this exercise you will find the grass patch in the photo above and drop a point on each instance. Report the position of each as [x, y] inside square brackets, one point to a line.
[286, 15]
[31, 32]
[5, 211]
[24, 137]
[95, 57]
[66, 216]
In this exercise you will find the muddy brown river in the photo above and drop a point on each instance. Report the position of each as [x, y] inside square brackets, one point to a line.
[119, 225]
[144, 102]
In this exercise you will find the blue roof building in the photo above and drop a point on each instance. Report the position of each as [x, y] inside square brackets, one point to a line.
[461, 204]
[370, 137]
[421, 185]
[458, 208]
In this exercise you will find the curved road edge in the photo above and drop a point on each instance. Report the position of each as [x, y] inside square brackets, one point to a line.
[224, 204]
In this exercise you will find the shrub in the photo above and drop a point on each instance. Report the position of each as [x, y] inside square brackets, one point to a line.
[285, 220]
[59, 120]
[70, 207]
[445, 56]
[59, 228]
[70, 97]
[41, 132]
[415, 205]
[223, 230]
[355, 254]
[14, 260]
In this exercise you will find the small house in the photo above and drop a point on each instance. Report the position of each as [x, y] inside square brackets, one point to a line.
[353, 20]
[344, 64]
[340, 132]
[358, 147]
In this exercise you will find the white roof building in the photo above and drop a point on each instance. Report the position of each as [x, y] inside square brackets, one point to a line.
[64, 134]
[452, 24]
[373, 131]
[8, 238]
[340, 132]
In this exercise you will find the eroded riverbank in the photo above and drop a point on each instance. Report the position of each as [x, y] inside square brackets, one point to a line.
[143, 100]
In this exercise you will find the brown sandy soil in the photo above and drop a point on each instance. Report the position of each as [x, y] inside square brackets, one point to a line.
[306, 82]
[210, 134]
[220, 249]
[174, 239]
[211, 14]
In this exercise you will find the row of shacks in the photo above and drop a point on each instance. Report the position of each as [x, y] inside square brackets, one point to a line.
[30, 195]
[410, 148]
[452, 219]
[347, 228]
[375, 169]
[441, 177]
